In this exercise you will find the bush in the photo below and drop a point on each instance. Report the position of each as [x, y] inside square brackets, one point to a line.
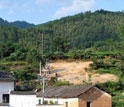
[54, 82]
[118, 95]
[26, 86]
[45, 102]
[4, 68]
[113, 62]
[61, 83]
[112, 86]
[39, 101]
[117, 104]
[51, 102]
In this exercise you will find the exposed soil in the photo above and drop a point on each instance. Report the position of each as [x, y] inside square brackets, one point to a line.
[74, 72]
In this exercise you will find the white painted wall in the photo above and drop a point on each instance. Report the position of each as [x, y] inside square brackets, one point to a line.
[61, 101]
[50, 106]
[23, 100]
[32, 101]
[5, 88]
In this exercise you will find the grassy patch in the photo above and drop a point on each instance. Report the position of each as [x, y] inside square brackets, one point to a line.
[104, 53]
[111, 70]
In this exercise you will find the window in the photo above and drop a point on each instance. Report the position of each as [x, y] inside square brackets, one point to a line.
[5, 98]
[88, 104]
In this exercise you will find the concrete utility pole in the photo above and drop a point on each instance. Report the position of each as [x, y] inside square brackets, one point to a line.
[42, 80]
[42, 43]
[42, 77]
[40, 69]
[43, 89]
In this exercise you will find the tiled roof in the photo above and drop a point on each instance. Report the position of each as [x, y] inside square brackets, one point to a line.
[4, 76]
[23, 92]
[71, 91]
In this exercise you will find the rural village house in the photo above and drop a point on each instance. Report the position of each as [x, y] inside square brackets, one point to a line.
[76, 96]
[60, 96]
[63, 96]
[6, 86]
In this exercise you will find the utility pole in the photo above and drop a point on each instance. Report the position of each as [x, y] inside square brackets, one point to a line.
[40, 69]
[43, 89]
[42, 80]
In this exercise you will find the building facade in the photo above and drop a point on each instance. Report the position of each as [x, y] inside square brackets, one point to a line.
[6, 86]
[23, 99]
[75, 96]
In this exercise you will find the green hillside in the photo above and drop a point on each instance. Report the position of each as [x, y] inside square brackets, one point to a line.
[97, 36]
[18, 24]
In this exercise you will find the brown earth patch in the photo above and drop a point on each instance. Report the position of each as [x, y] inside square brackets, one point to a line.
[74, 72]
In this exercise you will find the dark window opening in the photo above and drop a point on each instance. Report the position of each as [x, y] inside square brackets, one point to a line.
[88, 104]
[5, 98]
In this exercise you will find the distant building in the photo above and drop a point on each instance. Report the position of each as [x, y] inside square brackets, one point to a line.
[75, 96]
[62, 96]
[6, 86]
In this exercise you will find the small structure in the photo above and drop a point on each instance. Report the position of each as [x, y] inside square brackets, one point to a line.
[74, 96]
[6, 86]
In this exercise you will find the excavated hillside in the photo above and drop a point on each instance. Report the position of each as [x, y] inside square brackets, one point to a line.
[75, 72]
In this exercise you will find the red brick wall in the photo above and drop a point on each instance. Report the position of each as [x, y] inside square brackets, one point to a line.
[81, 103]
[97, 98]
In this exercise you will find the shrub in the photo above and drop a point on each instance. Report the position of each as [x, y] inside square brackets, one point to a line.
[112, 86]
[113, 62]
[118, 95]
[39, 101]
[117, 104]
[51, 102]
[45, 102]
[61, 83]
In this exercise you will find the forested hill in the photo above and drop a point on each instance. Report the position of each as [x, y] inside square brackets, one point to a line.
[100, 29]
[80, 31]
[18, 24]
[96, 37]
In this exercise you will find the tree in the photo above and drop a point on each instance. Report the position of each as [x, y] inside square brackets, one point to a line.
[34, 57]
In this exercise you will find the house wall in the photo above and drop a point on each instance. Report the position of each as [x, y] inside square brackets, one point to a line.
[97, 98]
[5, 88]
[72, 102]
[23, 100]
[49, 106]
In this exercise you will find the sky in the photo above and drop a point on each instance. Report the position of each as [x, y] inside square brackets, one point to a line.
[41, 11]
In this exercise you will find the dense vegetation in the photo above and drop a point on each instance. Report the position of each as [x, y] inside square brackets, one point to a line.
[18, 24]
[97, 36]
[98, 31]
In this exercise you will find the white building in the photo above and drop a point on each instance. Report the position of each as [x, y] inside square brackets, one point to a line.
[6, 86]
[23, 99]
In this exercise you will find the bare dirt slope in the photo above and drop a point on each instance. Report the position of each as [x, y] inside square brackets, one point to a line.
[74, 72]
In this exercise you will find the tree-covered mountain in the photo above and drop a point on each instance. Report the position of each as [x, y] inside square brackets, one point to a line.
[21, 24]
[100, 29]
[18, 24]
[81, 31]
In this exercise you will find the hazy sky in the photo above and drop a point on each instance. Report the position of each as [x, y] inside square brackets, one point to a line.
[41, 11]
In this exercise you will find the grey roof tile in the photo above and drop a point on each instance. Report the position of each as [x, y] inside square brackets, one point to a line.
[71, 91]
[4, 76]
